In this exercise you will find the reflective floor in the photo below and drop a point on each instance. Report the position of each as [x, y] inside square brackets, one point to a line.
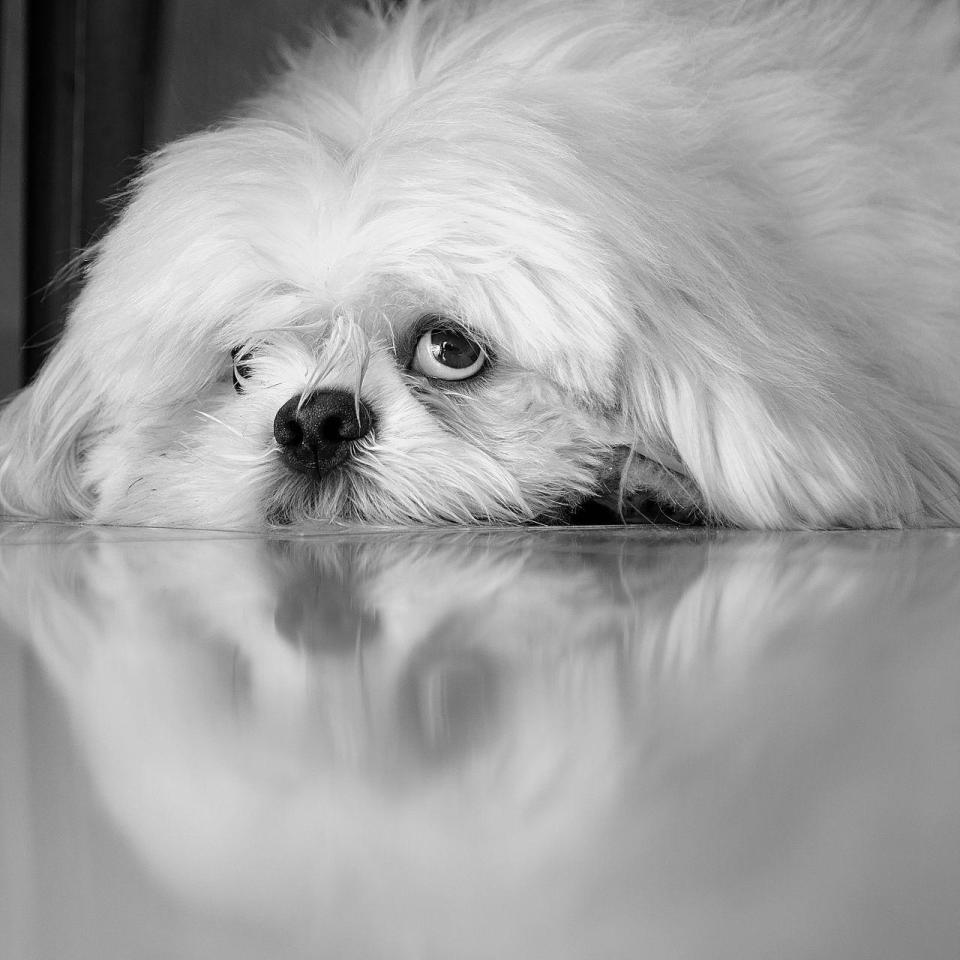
[544, 743]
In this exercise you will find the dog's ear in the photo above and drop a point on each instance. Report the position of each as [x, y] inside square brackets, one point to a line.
[44, 432]
[785, 412]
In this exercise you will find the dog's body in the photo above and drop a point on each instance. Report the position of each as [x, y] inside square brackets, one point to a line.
[485, 261]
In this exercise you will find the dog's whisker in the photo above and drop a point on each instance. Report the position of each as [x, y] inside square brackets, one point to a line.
[219, 422]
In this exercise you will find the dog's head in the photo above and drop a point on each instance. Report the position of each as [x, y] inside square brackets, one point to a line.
[460, 272]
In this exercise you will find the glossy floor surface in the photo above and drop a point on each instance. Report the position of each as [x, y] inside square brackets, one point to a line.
[574, 743]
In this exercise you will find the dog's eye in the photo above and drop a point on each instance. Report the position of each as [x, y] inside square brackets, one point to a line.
[447, 354]
[241, 367]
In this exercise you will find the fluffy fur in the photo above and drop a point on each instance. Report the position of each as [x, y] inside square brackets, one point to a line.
[713, 249]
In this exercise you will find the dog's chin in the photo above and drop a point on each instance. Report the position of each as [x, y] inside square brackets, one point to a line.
[348, 496]
[300, 499]
[347, 499]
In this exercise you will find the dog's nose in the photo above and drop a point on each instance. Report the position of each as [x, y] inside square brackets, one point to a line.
[316, 433]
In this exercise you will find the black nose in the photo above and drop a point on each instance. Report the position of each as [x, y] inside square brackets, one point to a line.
[316, 433]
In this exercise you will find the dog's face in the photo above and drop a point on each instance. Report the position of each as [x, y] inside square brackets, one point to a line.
[267, 335]
[395, 386]
[477, 267]
[357, 415]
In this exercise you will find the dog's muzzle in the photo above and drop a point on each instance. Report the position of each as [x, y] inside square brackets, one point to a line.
[316, 434]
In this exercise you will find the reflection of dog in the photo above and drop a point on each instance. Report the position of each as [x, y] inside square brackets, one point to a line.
[490, 259]
[348, 735]
[400, 729]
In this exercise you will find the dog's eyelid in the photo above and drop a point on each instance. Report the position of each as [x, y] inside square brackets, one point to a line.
[430, 322]
[442, 321]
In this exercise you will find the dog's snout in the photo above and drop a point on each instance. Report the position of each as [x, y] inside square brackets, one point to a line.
[316, 433]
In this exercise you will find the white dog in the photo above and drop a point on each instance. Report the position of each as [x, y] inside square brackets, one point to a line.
[486, 261]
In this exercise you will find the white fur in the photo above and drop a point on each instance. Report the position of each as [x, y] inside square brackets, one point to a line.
[714, 245]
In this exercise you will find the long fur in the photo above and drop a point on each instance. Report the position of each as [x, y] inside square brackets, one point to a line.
[714, 247]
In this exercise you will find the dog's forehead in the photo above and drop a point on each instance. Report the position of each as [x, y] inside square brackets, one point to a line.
[404, 237]
[255, 246]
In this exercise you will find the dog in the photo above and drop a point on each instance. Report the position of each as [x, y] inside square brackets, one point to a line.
[491, 262]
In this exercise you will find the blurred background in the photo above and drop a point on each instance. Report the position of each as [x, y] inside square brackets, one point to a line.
[87, 87]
